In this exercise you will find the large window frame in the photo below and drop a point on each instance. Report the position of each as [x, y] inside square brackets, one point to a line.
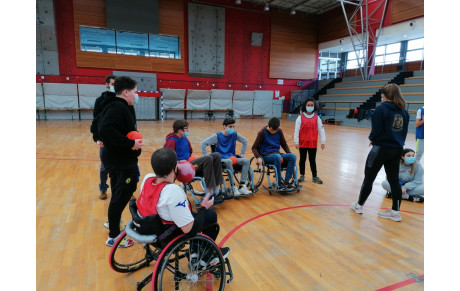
[103, 40]
[415, 50]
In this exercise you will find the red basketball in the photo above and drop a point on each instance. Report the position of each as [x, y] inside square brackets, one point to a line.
[234, 160]
[134, 135]
[282, 160]
[192, 158]
[185, 171]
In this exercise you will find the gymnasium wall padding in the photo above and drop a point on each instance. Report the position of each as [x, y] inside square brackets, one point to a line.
[243, 102]
[87, 95]
[40, 102]
[263, 103]
[221, 99]
[174, 99]
[58, 95]
[198, 99]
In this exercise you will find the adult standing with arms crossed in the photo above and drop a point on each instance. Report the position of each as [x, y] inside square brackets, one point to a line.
[99, 105]
[120, 153]
[387, 138]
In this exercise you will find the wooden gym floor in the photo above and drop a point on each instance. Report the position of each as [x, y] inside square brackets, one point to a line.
[309, 240]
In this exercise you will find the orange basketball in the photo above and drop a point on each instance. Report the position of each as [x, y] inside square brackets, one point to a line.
[134, 135]
[191, 158]
[234, 160]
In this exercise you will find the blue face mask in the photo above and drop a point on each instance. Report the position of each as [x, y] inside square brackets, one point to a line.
[112, 89]
[409, 160]
[310, 109]
[186, 134]
[230, 130]
[136, 99]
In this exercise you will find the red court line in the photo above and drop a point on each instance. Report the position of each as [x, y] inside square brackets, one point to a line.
[221, 243]
[388, 288]
[400, 284]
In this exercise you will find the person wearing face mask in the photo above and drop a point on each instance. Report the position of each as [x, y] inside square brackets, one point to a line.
[209, 167]
[120, 154]
[266, 148]
[225, 142]
[410, 178]
[387, 138]
[99, 105]
[307, 127]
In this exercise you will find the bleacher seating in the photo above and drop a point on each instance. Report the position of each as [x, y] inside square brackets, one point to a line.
[352, 92]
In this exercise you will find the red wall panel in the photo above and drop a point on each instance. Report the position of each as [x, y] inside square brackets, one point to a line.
[246, 66]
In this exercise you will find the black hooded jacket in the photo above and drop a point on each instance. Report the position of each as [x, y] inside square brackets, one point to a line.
[117, 120]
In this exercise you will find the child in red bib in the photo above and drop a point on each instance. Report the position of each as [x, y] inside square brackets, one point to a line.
[307, 127]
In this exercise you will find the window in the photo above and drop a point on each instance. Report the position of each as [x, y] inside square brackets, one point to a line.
[101, 40]
[130, 43]
[415, 50]
[353, 62]
[387, 54]
[164, 46]
[97, 40]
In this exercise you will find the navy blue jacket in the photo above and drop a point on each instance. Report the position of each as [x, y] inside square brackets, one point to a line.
[389, 125]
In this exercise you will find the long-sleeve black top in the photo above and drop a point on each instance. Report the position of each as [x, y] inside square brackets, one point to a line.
[114, 125]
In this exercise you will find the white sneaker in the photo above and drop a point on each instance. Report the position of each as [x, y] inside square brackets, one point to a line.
[244, 190]
[235, 191]
[357, 208]
[391, 214]
[122, 226]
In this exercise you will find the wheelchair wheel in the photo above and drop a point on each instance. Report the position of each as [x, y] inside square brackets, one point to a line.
[178, 269]
[197, 190]
[126, 260]
[258, 172]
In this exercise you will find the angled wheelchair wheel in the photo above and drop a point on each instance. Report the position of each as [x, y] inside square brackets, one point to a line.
[190, 264]
[197, 189]
[133, 258]
[258, 172]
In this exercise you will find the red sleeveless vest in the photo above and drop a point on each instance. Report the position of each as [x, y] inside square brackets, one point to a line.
[148, 200]
[308, 133]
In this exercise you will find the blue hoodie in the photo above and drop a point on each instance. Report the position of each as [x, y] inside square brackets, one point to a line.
[389, 125]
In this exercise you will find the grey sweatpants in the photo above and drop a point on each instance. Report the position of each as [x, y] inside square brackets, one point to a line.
[244, 162]
[419, 190]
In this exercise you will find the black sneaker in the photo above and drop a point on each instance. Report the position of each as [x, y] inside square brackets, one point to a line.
[281, 187]
[211, 258]
[302, 178]
[388, 195]
[217, 200]
[317, 180]
[225, 196]
[289, 187]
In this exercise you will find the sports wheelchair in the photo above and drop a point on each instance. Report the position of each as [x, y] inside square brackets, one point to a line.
[269, 170]
[180, 261]
[209, 115]
[232, 175]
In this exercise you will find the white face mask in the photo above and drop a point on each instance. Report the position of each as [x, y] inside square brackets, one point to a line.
[310, 109]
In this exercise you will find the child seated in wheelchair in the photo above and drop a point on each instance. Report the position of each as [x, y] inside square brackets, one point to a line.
[159, 195]
[266, 148]
[225, 144]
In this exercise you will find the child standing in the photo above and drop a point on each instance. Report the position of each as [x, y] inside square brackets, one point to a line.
[307, 127]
